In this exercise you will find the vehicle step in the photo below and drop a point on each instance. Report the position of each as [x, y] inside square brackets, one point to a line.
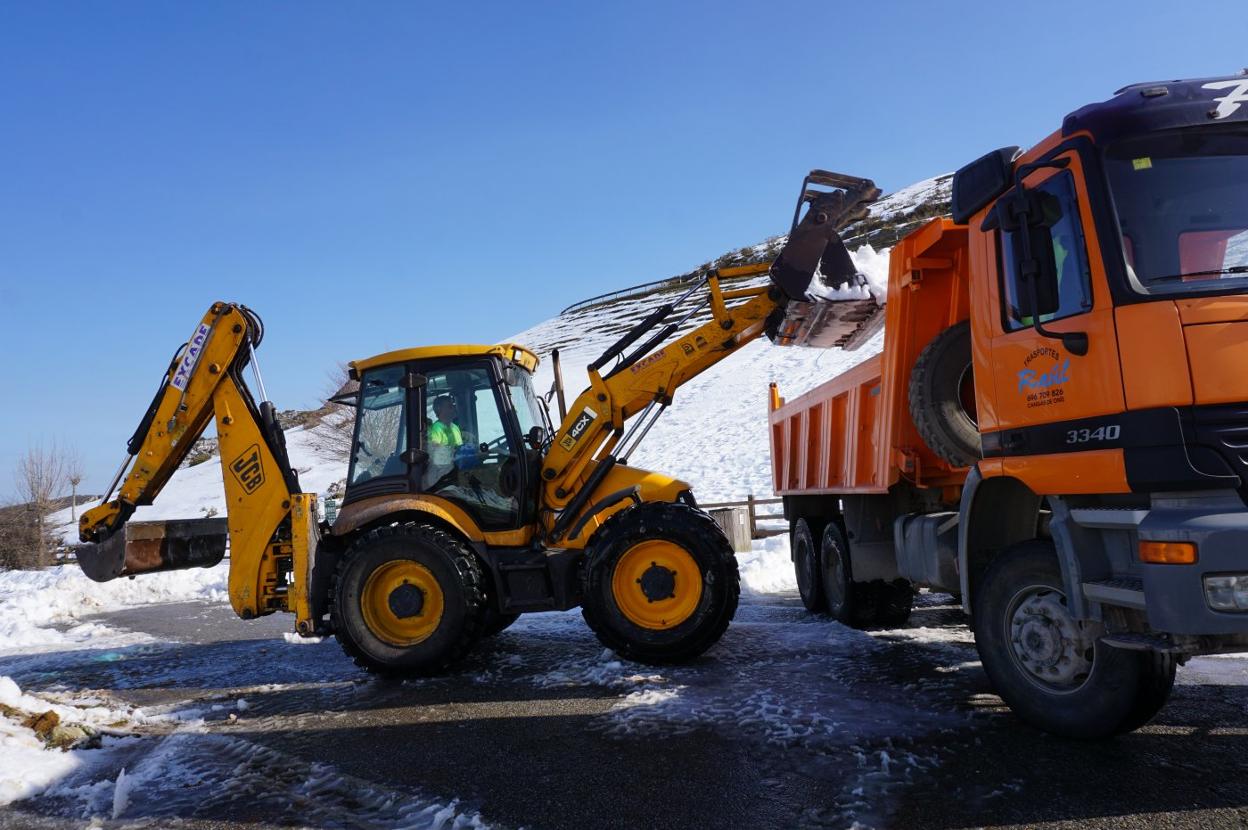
[1140, 641]
[1108, 518]
[1125, 591]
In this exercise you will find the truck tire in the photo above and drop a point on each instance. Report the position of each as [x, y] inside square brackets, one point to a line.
[807, 534]
[660, 583]
[855, 604]
[1051, 672]
[407, 600]
[942, 397]
[1156, 682]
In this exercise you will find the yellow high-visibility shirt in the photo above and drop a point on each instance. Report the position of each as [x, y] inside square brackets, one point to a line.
[445, 435]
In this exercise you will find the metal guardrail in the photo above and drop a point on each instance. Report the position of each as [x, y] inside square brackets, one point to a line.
[639, 290]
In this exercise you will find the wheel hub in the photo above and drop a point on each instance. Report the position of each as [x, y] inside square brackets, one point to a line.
[1047, 642]
[406, 601]
[402, 603]
[657, 583]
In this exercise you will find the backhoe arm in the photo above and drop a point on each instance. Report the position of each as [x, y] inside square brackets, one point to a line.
[271, 525]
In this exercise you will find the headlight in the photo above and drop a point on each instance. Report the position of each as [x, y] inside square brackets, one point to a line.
[1228, 592]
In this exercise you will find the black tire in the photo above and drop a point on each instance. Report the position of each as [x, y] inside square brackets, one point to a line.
[1156, 682]
[459, 586]
[852, 603]
[495, 621]
[1109, 695]
[807, 534]
[942, 401]
[709, 552]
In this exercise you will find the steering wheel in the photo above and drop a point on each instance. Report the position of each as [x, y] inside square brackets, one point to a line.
[491, 447]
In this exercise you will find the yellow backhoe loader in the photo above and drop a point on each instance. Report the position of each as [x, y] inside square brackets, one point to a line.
[464, 507]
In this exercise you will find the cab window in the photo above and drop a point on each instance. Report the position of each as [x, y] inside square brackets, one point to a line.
[380, 426]
[1074, 280]
[470, 458]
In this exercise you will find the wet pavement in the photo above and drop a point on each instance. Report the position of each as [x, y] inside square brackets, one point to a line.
[792, 721]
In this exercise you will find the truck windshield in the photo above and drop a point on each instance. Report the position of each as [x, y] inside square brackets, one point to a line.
[1182, 203]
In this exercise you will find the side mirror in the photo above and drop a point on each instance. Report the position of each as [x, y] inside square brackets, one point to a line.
[536, 437]
[1033, 213]
[1040, 270]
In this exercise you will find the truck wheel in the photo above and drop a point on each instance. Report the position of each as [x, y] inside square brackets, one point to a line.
[1047, 666]
[942, 397]
[1156, 682]
[660, 583]
[806, 532]
[852, 603]
[407, 600]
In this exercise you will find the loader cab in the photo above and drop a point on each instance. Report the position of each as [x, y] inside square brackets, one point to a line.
[459, 423]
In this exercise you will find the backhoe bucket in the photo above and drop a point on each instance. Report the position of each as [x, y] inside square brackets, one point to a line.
[151, 547]
[815, 267]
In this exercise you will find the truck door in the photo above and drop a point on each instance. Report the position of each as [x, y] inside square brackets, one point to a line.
[1049, 401]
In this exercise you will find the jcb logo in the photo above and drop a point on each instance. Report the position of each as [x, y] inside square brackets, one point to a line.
[248, 469]
[582, 422]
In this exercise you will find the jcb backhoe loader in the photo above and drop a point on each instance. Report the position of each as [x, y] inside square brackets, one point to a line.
[464, 507]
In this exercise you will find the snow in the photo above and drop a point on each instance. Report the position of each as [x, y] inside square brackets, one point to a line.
[121, 793]
[45, 610]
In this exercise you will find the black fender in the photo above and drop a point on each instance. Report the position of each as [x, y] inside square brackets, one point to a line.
[993, 514]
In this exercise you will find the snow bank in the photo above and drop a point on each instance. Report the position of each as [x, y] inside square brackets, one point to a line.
[27, 765]
[43, 610]
[767, 569]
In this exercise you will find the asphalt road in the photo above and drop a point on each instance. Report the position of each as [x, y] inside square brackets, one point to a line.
[792, 721]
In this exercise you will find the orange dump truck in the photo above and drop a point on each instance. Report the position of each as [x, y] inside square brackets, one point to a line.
[1056, 430]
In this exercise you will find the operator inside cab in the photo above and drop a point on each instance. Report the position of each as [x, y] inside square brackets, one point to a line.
[447, 450]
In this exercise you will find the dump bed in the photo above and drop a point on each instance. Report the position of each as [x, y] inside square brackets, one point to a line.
[854, 434]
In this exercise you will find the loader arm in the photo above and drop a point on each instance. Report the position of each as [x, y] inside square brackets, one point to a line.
[271, 525]
[592, 438]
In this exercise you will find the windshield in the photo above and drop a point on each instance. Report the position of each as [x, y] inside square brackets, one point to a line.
[529, 413]
[1182, 203]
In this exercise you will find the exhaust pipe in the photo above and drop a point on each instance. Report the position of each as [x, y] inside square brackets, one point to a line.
[152, 547]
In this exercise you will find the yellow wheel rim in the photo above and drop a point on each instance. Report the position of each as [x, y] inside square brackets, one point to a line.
[657, 584]
[402, 603]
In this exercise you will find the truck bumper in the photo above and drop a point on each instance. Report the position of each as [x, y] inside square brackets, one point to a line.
[1175, 599]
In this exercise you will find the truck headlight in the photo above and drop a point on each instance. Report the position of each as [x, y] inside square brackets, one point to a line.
[1228, 592]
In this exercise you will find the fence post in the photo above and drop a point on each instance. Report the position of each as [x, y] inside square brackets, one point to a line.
[749, 503]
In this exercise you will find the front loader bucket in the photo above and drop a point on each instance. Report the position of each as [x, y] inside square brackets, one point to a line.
[151, 547]
[814, 267]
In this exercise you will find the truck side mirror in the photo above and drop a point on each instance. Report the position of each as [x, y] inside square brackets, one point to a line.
[1028, 216]
[1040, 270]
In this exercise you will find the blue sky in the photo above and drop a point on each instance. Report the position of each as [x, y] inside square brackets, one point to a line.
[376, 176]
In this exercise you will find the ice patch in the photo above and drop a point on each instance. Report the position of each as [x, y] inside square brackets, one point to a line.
[121, 793]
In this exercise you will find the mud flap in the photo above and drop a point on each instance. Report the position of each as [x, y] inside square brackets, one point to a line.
[152, 547]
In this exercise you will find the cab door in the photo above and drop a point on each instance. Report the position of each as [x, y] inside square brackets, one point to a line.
[472, 443]
[1051, 402]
